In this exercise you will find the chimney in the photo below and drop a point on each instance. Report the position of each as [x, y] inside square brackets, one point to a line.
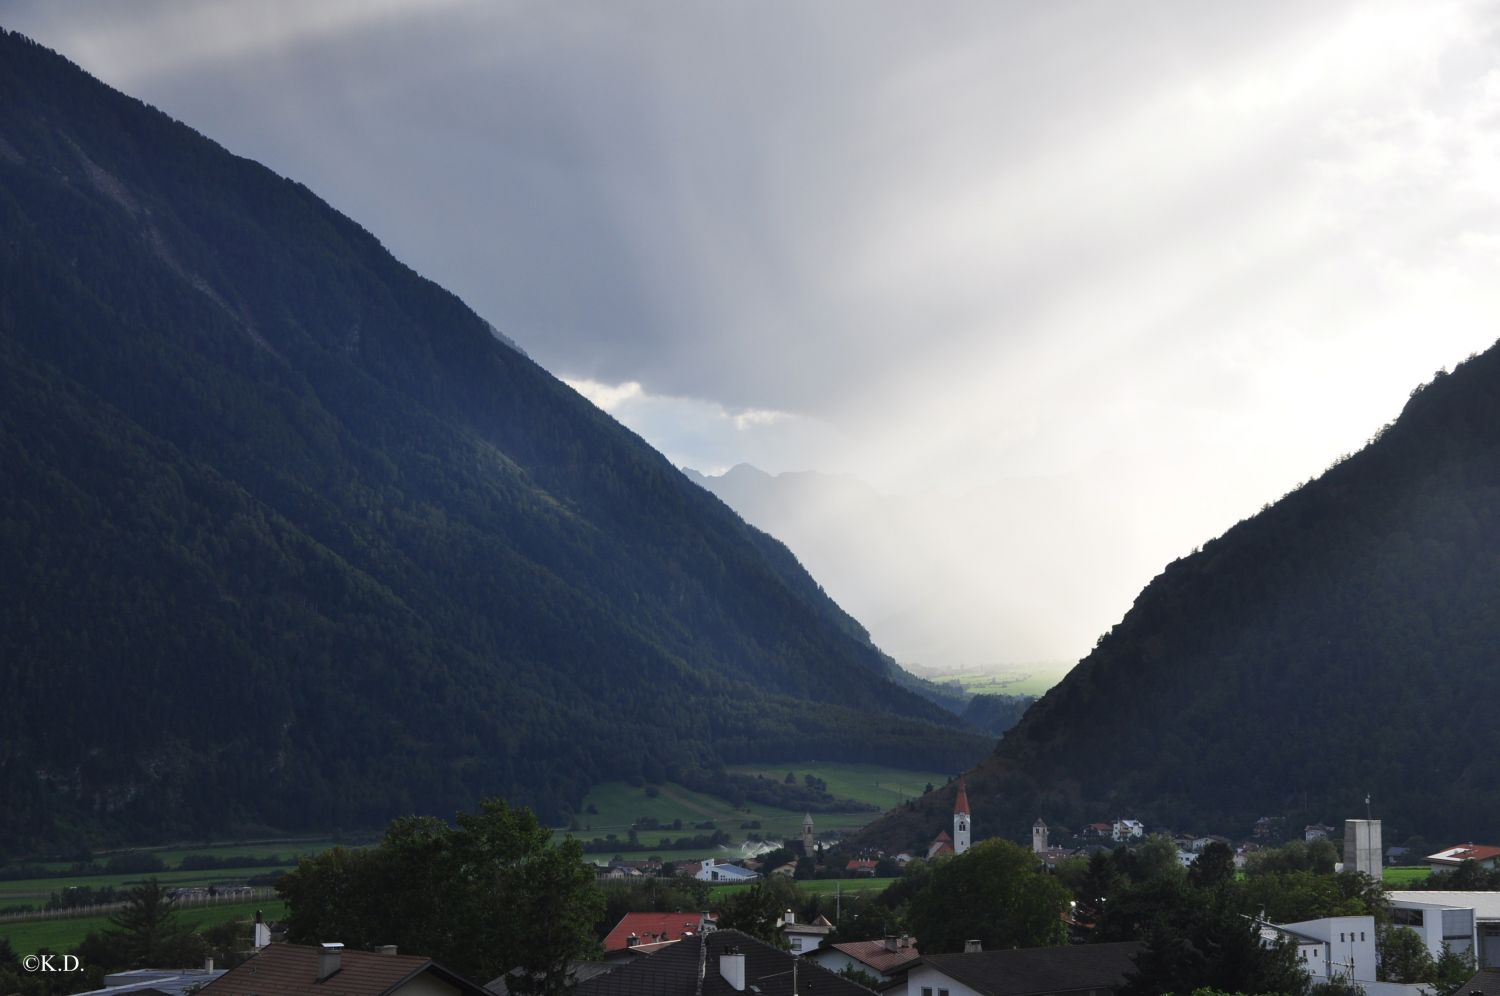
[973, 946]
[788, 917]
[387, 949]
[732, 968]
[891, 943]
[208, 964]
[329, 959]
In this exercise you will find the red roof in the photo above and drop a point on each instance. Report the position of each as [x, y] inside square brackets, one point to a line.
[876, 955]
[961, 804]
[1460, 853]
[650, 928]
[292, 970]
[859, 863]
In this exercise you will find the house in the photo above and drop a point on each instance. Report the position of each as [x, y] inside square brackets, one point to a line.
[941, 844]
[1465, 921]
[1330, 947]
[1127, 830]
[716, 871]
[720, 963]
[1316, 831]
[885, 960]
[862, 866]
[329, 970]
[1041, 845]
[1099, 830]
[1483, 855]
[635, 929]
[1092, 969]
[804, 938]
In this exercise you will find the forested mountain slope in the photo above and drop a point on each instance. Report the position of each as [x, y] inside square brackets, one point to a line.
[292, 539]
[1343, 642]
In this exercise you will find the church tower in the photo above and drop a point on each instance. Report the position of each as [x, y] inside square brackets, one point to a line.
[807, 834]
[961, 821]
[1039, 837]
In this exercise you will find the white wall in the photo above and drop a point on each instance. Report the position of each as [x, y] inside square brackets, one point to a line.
[925, 976]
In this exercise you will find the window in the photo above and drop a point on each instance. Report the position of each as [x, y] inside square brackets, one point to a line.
[1361, 935]
[796, 944]
[942, 992]
[926, 991]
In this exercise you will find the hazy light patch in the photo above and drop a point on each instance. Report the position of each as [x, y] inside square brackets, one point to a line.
[711, 438]
[606, 396]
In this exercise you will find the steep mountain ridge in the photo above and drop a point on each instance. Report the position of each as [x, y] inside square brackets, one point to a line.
[1343, 642]
[295, 539]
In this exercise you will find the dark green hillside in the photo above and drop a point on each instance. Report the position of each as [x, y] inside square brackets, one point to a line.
[291, 538]
[1346, 640]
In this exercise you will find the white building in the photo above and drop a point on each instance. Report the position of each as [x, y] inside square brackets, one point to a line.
[1465, 921]
[1332, 947]
[715, 871]
[1128, 829]
[962, 825]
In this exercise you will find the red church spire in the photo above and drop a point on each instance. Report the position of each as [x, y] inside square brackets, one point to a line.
[961, 804]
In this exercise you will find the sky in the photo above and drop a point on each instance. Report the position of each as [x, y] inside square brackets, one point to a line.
[1098, 280]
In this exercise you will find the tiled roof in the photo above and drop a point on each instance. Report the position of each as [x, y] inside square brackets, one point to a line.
[1463, 852]
[675, 972]
[961, 801]
[1486, 982]
[1040, 970]
[650, 928]
[878, 956]
[292, 970]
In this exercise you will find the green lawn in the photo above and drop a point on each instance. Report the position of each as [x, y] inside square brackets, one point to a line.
[1404, 877]
[43, 887]
[29, 936]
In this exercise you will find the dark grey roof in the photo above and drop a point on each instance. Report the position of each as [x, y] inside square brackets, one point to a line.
[145, 981]
[1023, 971]
[1486, 982]
[674, 972]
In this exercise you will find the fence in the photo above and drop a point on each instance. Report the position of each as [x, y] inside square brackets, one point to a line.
[183, 899]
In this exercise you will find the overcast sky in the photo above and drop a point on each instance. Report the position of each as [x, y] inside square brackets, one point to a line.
[1172, 258]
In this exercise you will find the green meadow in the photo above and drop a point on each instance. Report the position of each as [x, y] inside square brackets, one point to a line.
[30, 936]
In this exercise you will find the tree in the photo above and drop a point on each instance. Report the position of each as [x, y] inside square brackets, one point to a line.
[1451, 970]
[1214, 865]
[994, 892]
[757, 910]
[487, 896]
[1208, 944]
[1402, 956]
[147, 933]
[1155, 858]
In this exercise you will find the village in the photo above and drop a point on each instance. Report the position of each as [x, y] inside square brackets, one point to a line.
[823, 949]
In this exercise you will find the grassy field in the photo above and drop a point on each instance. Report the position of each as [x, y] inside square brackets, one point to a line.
[815, 886]
[884, 787]
[34, 888]
[288, 851]
[30, 936]
[1404, 877]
